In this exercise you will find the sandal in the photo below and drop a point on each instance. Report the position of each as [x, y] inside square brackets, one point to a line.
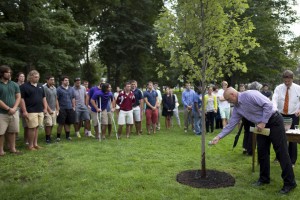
[37, 147]
[17, 152]
[31, 148]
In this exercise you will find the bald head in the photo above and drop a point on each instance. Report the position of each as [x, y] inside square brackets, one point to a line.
[231, 95]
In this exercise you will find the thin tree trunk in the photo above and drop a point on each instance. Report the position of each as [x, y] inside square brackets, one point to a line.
[203, 64]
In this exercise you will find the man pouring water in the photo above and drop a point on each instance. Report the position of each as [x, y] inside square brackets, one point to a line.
[258, 109]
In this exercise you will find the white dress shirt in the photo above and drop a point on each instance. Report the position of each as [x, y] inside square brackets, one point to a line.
[294, 98]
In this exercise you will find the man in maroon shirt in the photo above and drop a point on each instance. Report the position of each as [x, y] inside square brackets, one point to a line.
[125, 100]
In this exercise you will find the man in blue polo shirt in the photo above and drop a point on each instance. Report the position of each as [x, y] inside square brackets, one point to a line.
[151, 100]
[138, 107]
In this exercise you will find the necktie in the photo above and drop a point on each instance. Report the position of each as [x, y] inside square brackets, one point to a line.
[286, 102]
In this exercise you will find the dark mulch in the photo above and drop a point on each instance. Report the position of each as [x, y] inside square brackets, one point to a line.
[214, 179]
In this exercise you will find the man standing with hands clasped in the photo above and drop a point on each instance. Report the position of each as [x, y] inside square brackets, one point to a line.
[258, 109]
[9, 117]
[286, 100]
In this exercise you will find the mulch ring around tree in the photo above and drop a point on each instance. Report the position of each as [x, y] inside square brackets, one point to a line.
[213, 179]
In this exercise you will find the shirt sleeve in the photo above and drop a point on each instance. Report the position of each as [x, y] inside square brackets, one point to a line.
[95, 96]
[145, 94]
[183, 98]
[111, 96]
[205, 102]
[195, 99]
[17, 88]
[215, 103]
[58, 93]
[43, 91]
[267, 106]
[275, 98]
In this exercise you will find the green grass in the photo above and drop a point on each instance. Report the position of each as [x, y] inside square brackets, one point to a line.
[142, 167]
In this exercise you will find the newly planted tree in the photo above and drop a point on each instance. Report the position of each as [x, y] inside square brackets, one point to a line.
[205, 38]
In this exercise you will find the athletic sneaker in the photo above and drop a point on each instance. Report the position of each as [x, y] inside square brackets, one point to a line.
[78, 135]
[48, 141]
[90, 135]
[69, 138]
[58, 139]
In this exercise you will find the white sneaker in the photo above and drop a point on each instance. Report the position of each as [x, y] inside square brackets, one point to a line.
[78, 135]
[90, 135]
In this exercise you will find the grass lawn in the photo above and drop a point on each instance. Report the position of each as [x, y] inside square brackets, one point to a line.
[142, 167]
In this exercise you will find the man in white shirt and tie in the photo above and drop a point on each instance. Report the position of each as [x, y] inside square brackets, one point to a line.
[286, 99]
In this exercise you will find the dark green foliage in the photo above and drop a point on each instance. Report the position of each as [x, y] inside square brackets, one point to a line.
[266, 62]
[39, 34]
[126, 40]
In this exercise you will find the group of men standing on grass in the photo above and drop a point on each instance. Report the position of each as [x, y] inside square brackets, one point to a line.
[44, 105]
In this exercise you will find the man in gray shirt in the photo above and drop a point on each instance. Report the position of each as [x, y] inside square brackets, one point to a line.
[82, 112]
[52, 108]
[258, 109]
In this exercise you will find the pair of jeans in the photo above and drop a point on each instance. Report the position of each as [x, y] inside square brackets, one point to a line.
[197, 123]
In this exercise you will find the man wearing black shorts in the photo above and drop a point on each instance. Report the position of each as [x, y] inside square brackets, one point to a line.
[66, 100]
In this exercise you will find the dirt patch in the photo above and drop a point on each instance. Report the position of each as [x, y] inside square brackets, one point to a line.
[214, 179]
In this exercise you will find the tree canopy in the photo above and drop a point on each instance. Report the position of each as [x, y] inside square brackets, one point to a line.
[117, 39]
[39, 35]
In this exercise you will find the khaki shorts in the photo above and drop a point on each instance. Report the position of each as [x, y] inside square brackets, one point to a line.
[50, 119]
[109, 116]
[104, 118]
[35, 119]
[9, 123]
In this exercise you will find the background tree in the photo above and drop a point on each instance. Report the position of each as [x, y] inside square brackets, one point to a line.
[86, 14]
[205, 38]
[266, 62]
[45, 37]
[126, 39]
